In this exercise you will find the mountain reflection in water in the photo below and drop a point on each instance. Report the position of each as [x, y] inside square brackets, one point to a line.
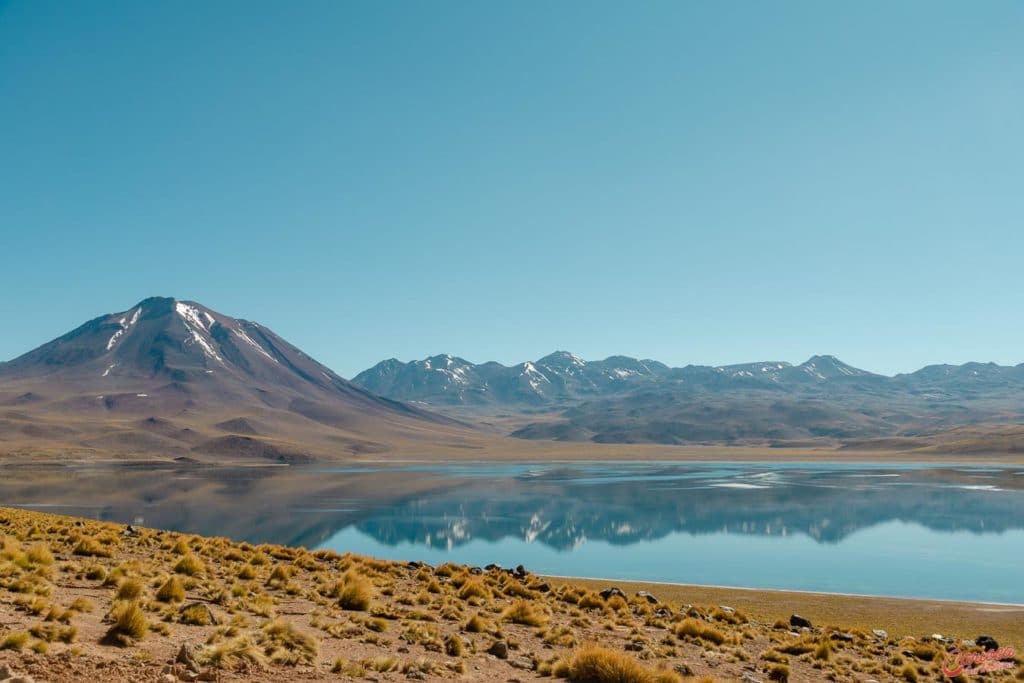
[855, 528]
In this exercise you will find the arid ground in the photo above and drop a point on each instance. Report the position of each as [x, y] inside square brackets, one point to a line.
[83, 600]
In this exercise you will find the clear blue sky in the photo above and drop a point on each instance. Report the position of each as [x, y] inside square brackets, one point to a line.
[705, 182]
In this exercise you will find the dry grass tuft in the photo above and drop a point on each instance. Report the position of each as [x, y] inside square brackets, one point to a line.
[593, 664]
[190, 565]
[476, 624]
[90, 547]
[285, 644]
[40, 554]
[14, 641]
[525, 613]
[171, 591]
[231, 654]
[354, 592]
[130, 624]
[130, 589]
[695, 628]
[196, 615]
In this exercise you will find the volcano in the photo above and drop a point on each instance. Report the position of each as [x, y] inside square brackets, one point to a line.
[178, 379]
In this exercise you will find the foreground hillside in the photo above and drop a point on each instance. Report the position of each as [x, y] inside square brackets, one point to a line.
[86, 600]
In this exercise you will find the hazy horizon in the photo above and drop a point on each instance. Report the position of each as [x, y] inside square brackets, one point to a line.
[689, 182]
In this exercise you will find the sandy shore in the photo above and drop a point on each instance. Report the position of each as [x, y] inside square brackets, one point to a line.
[896, 615]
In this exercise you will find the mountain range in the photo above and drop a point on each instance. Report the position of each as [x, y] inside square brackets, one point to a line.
[626, 400]
[173, 379]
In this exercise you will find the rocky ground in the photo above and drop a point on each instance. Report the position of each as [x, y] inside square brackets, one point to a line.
[82, 600]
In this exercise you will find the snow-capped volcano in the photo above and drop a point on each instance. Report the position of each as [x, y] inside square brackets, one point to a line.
[177, 360]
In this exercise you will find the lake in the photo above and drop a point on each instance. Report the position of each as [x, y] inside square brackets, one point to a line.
[943, 531]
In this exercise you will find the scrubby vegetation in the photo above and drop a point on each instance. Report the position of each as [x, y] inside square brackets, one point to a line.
[95, 591]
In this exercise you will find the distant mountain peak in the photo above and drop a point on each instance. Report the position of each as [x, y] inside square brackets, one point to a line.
[826, 367]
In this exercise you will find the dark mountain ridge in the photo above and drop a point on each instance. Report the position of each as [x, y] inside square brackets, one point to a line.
[626, 400]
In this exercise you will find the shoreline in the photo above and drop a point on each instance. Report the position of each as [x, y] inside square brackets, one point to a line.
[792, 591]
[958, 618]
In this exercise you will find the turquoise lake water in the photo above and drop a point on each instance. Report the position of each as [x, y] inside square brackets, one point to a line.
[944, 531]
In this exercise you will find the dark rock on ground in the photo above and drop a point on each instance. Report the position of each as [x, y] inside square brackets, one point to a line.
[987, 643]
[798, 621]
[499, 649]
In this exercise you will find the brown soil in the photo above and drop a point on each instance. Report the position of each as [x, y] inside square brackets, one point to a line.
[297, 615]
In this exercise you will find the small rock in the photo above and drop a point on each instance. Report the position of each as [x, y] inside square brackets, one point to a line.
[634, 646]
[499, 649]
[209, 675]
[543, 588]
[937, 636]
[843, 637]
[644, 595]
[5, 672]
[416, 675]
[609, 593]
[881, 633]
[726, 609]
[798, 621]
[187, 656]
[476, 571]
[987, 643]
[168, 678]
[522, 663]
[491, 567]
[748, 678]
[683, 669]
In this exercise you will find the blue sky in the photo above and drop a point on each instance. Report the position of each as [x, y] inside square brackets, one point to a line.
[697, 182]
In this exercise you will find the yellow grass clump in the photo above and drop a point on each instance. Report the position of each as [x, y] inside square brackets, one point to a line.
[171, 591]
[523, 612]
[130, 589]
[231, 654]
[593, 664]
[695, 628]
[130, 624]
[14, 641]
[90, 547]
[285, 644]
[190, 565]
[354, 592]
